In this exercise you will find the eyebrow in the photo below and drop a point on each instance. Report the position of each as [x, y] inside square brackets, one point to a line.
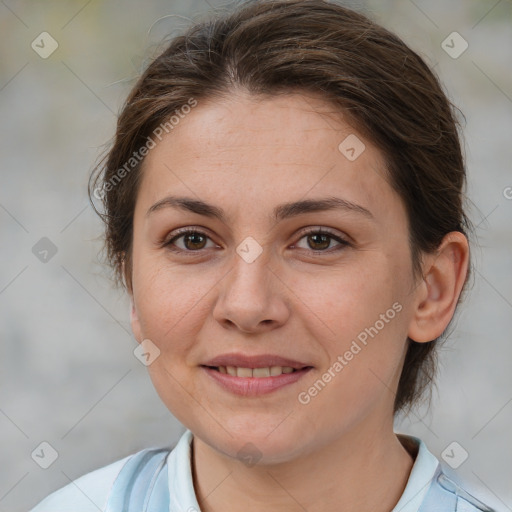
[280, 212]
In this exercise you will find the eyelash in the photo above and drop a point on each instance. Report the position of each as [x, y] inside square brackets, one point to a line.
[319, 231]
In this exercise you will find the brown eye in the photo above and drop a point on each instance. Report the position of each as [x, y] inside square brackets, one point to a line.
[192, 241]
[196, 241]
[320, 240]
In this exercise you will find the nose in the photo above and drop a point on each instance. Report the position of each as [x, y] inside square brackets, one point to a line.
[252, 298]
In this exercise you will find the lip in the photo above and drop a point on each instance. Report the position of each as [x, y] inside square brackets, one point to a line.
[254, 386]
[256, 361]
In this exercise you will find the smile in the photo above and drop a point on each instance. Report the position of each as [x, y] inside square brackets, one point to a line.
[254, 381]
[268, 371]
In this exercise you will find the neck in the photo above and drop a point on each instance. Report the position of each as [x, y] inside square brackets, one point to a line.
[365, 470]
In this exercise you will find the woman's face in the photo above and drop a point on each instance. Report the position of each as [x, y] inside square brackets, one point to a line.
[254, 283]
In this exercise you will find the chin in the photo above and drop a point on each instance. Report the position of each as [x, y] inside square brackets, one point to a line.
[252, 443]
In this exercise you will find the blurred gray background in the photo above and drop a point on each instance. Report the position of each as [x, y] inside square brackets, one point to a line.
[68, 373]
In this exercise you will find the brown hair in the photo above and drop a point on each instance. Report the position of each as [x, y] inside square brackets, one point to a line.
[275, 46]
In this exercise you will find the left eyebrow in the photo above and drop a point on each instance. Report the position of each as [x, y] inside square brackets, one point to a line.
[280, 212]
[287, 210]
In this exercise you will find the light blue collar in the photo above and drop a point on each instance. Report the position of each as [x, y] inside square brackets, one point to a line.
[420, 478]
[181, 483]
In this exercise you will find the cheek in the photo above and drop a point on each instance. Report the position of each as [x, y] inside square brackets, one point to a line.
[346, 301]
[168, 303]
[362, 321]
[169, 307]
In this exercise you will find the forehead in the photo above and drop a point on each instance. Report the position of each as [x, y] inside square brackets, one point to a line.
[266, 149]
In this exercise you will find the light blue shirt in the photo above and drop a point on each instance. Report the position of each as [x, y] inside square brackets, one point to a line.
[427, 487]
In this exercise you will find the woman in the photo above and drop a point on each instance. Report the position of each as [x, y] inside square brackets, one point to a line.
[284, 205]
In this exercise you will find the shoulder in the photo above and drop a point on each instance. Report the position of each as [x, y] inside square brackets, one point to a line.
[90, 492]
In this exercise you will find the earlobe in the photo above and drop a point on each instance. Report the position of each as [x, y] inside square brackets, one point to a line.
[438, 293]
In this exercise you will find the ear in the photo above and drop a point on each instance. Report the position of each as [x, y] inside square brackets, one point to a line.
[437, 295]
[134, 320]
[134, 317]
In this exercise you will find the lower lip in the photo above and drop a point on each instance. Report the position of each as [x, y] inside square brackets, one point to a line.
[253, 386]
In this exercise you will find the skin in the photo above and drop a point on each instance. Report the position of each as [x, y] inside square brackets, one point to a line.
[247, 155]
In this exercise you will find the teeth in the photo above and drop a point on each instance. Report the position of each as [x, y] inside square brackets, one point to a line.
[275, 370]
[261, 372]
[269, 371]
[243, 372]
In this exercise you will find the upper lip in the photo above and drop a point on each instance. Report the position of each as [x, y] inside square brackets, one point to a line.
[256, 361]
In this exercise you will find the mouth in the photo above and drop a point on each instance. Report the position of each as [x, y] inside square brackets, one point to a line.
[258, 373]
[248, 382]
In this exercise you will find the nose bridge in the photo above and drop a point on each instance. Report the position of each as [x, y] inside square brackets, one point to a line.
[250, 297]
[249, 275]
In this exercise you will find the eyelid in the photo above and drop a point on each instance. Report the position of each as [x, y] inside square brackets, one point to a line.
[323, 230]
[342, 240]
